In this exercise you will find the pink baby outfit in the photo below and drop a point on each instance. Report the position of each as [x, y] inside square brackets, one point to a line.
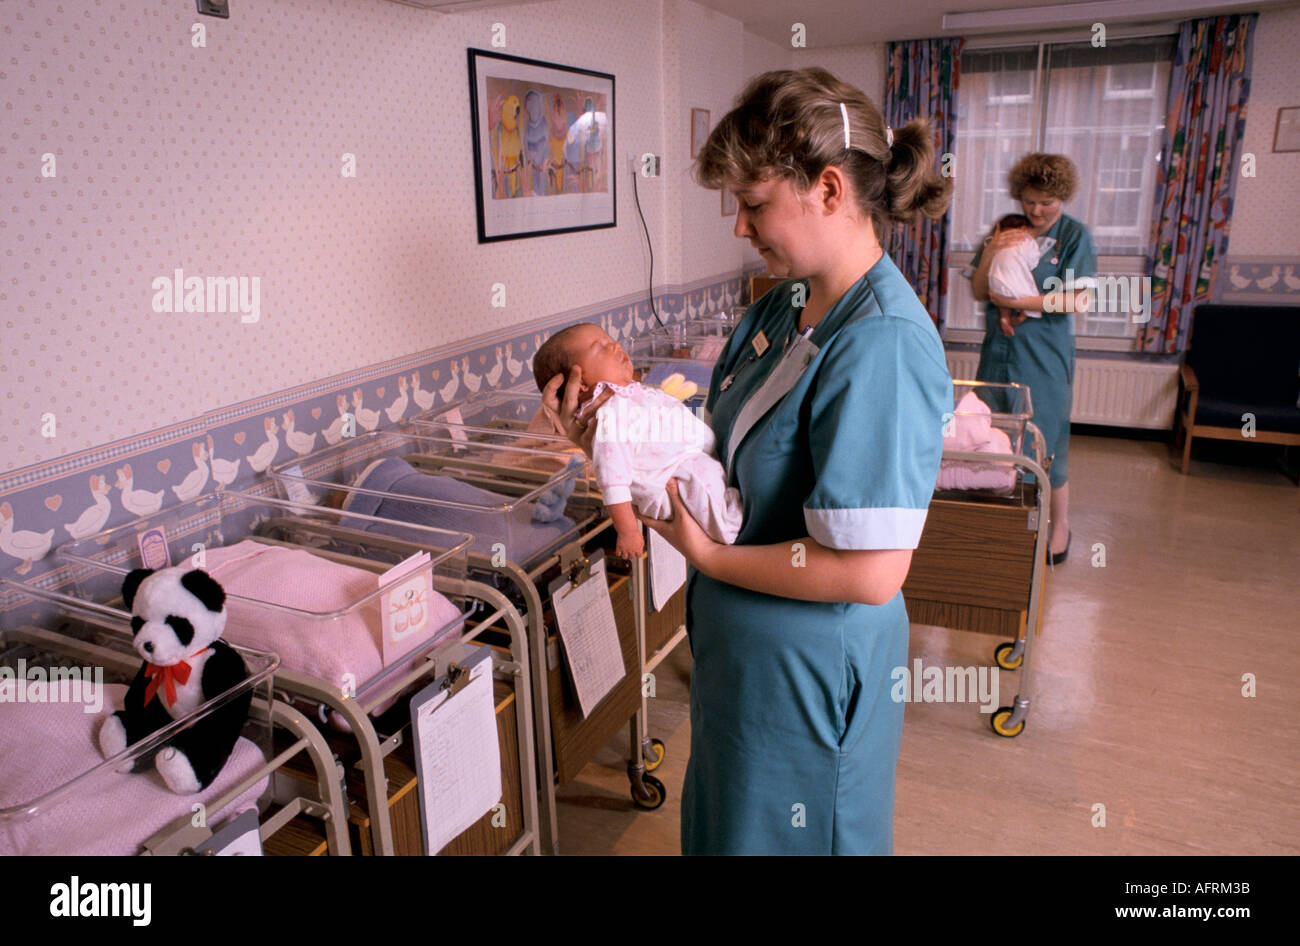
[644, 438]
[973, 431]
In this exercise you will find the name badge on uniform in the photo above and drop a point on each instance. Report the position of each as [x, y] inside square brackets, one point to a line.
[760, 343]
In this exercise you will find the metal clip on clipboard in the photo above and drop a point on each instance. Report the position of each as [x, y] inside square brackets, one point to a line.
[456, 680]
[574, 565]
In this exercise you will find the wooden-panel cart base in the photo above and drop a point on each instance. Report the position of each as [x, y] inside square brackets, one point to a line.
[980, 566]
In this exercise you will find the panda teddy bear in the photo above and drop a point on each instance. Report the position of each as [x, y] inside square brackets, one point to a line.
[178, 617]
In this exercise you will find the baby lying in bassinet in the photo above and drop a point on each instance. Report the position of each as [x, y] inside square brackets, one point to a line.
[644, 438]
[324, 635]
[973, 430]
[526, 528]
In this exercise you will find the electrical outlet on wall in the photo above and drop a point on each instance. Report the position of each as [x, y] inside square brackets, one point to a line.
[219, 8]
[638, 164]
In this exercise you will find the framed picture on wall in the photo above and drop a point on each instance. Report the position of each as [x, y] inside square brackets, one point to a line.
[699, 130]
[544, 156]
[1286, 136]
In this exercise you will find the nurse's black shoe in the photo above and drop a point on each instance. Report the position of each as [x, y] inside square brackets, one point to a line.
[1059, 557]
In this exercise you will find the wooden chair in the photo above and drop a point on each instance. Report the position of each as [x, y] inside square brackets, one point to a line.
[1242, 364]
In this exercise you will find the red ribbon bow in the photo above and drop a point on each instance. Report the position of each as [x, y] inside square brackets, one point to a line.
[167, 676]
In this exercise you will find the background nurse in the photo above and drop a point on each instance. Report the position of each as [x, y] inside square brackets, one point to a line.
[1040, 352]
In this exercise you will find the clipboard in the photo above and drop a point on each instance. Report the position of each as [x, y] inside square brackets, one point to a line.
[666, 568]
[241, 837]
[457, 755]
[584, 614]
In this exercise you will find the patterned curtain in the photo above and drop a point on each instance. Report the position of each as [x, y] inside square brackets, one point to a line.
[922, 82]
[1204, 126]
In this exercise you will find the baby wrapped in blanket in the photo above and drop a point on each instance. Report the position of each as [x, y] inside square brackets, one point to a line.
[972, 430]
[644, 438]
[526, 528]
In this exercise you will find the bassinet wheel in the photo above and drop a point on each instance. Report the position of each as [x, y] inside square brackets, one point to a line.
[656, 794]
[1000, 717]
[1005, 662]
[655, 756]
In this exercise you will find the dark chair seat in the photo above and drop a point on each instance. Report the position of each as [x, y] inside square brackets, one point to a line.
[1222, 412]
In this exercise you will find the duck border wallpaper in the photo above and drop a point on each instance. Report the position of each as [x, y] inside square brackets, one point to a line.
[48, 504]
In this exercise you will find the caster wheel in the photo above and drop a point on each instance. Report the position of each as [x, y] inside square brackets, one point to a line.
[998, 722]
[655, 756]
[1006, 662]
[656, 794]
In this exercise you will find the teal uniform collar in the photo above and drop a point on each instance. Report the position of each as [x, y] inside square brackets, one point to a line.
[801, 353]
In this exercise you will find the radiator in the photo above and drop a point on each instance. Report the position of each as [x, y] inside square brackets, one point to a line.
[1108, 393]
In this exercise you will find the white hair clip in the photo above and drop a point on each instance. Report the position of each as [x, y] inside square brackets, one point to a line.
[848, 143]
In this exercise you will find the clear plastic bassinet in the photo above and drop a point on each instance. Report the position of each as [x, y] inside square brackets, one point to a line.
[308, 582]
[65, 665]
[514, 502]
[988, 420]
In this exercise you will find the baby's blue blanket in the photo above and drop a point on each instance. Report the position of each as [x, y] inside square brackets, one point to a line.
[527, 530]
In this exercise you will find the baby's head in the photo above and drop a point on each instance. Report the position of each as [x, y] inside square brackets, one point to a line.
[1014, 222]
[588, 346]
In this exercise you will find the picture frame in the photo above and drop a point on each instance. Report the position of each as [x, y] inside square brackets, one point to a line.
[699, 130]
[565, 182]
[1286, 133]
[729, 203]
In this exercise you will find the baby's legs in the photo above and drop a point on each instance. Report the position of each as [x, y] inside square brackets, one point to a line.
[703, 490]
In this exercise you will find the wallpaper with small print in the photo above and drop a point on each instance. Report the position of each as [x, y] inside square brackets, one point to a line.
[144, 144]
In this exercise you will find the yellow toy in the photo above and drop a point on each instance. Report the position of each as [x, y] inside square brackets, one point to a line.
[677, 386]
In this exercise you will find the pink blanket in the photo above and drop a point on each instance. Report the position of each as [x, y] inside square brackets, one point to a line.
[343, 651]
[973, 430]
[44, 745]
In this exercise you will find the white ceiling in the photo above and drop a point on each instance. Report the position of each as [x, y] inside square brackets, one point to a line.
[852, 22]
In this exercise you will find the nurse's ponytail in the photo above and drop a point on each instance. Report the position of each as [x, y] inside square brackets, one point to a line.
[914, 187]
[793, 124]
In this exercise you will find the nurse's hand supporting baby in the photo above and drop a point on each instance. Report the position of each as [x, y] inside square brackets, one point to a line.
[631, 543]
[810, 573]
[579, 430]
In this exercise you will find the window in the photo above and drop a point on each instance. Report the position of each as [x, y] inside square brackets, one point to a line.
[1102, 106]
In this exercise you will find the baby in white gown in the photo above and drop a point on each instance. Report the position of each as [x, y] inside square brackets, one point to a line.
[644, 438]
[1011, 271]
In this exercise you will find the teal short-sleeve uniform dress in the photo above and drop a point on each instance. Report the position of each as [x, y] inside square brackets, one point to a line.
[838, 436]
[1041, 353]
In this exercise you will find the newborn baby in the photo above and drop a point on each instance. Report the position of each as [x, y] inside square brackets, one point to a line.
[644, 438]
[1011, 271]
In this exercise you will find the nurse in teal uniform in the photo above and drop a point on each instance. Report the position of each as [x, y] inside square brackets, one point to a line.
[828, 404]
[1039, 351]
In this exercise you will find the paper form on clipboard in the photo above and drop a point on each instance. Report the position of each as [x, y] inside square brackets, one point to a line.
[457, 755]
[667, 568]
[585, 616]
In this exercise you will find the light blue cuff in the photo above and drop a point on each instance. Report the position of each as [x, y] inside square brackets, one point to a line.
[882, 528]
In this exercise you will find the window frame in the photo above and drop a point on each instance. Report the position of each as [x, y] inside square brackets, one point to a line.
[1111, 264]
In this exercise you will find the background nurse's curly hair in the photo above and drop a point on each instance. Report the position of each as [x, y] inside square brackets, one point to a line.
[787, 124]
[1053, 174]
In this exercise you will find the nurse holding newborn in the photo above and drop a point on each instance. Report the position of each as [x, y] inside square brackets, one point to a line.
[827, 404]
[643, 438]
[1034, 345]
